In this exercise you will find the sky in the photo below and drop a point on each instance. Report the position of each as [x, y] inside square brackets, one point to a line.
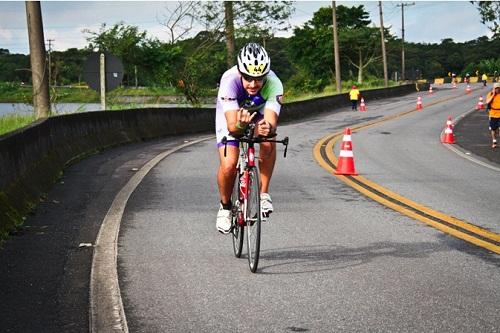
[425, 21]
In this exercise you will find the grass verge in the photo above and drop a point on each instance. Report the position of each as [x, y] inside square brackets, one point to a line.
[10, 123]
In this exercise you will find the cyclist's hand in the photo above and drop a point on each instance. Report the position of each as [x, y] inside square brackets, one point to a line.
[264, 128]
[243, 117]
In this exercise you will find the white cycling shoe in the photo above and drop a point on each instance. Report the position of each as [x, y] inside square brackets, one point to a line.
[224, 220]
[266, 206]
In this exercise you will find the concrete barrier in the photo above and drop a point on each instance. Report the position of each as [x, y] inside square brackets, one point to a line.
[439, 81]
[32, 158]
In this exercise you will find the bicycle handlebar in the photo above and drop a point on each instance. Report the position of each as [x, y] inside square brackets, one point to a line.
[258, 139]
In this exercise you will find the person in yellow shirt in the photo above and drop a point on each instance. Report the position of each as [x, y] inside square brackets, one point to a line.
[354, 96]
[493, 102]
[484, 78]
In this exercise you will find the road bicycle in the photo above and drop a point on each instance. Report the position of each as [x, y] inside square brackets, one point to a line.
[245, 197]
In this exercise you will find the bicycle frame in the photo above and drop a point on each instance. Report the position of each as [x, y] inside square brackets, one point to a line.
[245, 196]
[246, 162]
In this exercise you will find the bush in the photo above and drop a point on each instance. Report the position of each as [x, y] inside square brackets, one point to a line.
[304, 82]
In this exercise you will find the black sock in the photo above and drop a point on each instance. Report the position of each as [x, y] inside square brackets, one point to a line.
[227, 206]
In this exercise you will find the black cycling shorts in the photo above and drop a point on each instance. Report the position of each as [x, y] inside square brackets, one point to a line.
[494, 124]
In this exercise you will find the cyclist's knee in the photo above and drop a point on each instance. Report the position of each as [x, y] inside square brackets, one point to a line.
[228, 168]
[267, 149]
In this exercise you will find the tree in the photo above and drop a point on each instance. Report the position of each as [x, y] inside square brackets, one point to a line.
[347, 17]
[124, 41]
[363, 47]
[179, 21]
[202, 65]
[310, 47]
[249, 19]
[490, 15]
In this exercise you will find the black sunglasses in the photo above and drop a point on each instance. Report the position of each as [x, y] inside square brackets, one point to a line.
[251, 78]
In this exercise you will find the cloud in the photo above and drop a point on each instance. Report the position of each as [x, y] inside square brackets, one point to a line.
[5, 35]
[426, 21]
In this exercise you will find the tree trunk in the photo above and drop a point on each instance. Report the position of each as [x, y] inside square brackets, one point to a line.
[338, 84]
[384, 58]
[360, 68]
[39, 73]
[229, 18]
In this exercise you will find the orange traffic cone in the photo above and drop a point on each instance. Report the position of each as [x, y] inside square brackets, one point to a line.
[345, 166]
[448, 132]
[419, 103]
[430, 89]
[480, 104]
[468, 90]
[362, 105]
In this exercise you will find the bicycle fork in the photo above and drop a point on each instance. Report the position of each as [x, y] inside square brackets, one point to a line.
[246, 162]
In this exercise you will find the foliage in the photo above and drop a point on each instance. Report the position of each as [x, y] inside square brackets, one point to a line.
[252, 18]
[11, 122]
[311, 47]
[304, 62]
[490, 15]
[124, 41]
[14, 67]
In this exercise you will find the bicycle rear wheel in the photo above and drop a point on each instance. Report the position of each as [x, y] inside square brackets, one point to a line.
[253, 219]
[238, 230]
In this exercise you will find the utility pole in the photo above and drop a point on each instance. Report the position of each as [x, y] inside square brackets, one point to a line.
[230, 43]
[41, 99]
[50, 62]
[102, 80]
[382, 38]
[402, 5]
[338, 83]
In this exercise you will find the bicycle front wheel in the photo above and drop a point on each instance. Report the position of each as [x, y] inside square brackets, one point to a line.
[253, 219]
[238, 230]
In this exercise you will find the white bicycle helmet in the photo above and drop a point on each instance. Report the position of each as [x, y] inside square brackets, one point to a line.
[253, 60]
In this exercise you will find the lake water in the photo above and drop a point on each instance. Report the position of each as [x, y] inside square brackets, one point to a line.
[59, 108]
[62, 108]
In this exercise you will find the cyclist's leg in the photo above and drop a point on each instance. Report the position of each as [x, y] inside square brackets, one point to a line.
[225, 181]
[267, 159]
[227, 172]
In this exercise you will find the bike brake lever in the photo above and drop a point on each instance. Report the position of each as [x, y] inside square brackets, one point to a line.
[285, 142]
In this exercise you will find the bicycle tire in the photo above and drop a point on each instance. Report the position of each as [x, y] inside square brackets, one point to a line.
[253, 219]
[237, 231]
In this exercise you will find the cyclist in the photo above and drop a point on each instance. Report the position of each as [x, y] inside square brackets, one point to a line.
[493, 102]
[249, 86]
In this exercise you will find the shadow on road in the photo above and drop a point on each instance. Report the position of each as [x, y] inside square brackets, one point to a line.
[309, 259]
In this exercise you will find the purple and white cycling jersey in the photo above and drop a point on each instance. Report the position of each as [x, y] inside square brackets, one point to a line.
[232, 96]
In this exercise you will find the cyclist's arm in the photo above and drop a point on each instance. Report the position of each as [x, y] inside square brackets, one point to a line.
[273, 92]
[268, 125]
[490, 96]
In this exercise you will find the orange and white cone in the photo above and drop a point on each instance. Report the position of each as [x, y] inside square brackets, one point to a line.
[430, 89]
[362, 105]
[480, 104]
[345, 166]
[419, 103]
[468, 90]
[448, 132]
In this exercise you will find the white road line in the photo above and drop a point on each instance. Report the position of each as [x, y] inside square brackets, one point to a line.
[106, 306]
[466, 154]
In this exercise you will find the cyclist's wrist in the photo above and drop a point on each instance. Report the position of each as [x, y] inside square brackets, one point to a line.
[240, 126]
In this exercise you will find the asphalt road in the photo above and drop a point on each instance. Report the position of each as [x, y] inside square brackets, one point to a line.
[332, 259]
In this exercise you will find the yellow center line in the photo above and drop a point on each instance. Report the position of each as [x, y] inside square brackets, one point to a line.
[324, 155]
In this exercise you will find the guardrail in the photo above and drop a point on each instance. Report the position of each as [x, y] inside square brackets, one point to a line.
[32, 158]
